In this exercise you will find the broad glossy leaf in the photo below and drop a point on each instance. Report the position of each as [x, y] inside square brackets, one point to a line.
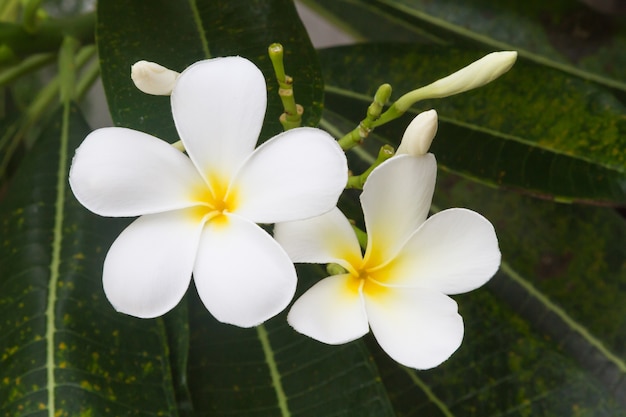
[177, 34]
[547, 335]
[274, 371]
[533, 129]
[64, 351]
[561, 34]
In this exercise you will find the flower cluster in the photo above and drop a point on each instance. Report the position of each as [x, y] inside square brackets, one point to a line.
[199, 214]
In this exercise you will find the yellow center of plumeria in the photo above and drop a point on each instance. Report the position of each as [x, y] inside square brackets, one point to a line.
[366, 278]
[215, 201]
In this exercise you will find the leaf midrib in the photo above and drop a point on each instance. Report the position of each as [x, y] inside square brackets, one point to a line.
[55, 261]
[537, 58]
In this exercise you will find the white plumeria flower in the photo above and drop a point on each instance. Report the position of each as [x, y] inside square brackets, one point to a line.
[199, 213]
[399, 287]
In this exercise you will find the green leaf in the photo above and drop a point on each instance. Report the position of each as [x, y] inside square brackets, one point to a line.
[533, 129]
[272, 370]
[561, 34]
[64, 350]
[177, 34]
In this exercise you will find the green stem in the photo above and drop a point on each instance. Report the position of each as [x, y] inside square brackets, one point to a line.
[8, 10]
[292, 117]
[357, 181]
[356, 136]
[360, 235]
[30, 15]
[87, 79]
[16, 133]
[28, 65]
[67, 69]
[49, 36]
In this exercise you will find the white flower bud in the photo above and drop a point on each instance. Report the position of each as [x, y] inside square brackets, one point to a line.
[152, 78]
[475, 75]
[419, 134]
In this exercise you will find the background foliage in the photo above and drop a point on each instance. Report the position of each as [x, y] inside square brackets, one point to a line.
[540, 152]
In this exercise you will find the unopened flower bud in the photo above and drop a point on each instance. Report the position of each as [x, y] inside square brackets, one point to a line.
[152, 78]
[419, 134]
[476, 74]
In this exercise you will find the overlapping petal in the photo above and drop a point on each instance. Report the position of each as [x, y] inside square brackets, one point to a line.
[243, 276]
[148, 268]
[328, 238]
[395, 200]
[218, 106]
[295, 175]
[331, 311]
[122, 172]
[454, 251]
[419, 328]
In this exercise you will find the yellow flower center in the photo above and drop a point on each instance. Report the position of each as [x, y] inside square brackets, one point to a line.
[367, 279]
[215, 201]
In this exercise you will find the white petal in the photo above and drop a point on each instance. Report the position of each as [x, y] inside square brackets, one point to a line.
[218, 107]
[148, 268]
[242, 275]
[123, 173]
[396, 199]
[323, 239]
[331, 311]
[418, 328]
[295, 175]
[454, 251]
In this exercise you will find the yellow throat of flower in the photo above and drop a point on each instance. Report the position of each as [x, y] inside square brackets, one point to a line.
[214, 201]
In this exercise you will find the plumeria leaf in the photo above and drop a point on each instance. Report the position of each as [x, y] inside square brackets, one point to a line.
[566, 35]
[562, 141]
[272, 370]
[176, 35]
[64, 348]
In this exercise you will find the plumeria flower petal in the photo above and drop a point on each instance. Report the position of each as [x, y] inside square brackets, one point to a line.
[328, 238]
[342, 317]
[218, 107]
[146, 275]
[452, 237]
[409, 266]
[112, 175]
[239, 264]
[417, 327]
[286, 177]
[199, 212]
[395, 202]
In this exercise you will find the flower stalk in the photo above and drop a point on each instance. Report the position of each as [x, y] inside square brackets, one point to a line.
[292, 117]
[356, 136]
[475, 75]
[357, 181]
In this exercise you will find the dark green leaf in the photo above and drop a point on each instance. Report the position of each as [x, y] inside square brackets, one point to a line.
[533, 129]
[64, 350]
[561, 34]
[176, 34]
